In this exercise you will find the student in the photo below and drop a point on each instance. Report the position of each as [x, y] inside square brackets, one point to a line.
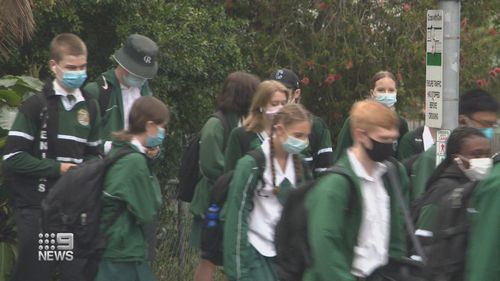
[131, 188]
[233, 102]
[477, 109]
[254, 206]
[270, 97]
[352, 231]
[416, 141]
[384, 90]
[43, 145]
[319, 154]
[483, 252]
[467, 159]
[118, 88]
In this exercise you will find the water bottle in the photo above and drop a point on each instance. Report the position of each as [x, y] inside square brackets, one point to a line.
[213, 216]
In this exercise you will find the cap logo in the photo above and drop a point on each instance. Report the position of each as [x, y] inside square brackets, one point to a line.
[279, 74]
[147, 59]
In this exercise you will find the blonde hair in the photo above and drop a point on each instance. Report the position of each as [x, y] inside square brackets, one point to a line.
[369, 114]
[255, 121]
[288, 115]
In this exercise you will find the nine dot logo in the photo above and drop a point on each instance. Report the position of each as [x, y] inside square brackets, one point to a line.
[55, 246]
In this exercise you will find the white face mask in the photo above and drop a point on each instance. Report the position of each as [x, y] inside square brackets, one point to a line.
[479, 168]
[273, 110]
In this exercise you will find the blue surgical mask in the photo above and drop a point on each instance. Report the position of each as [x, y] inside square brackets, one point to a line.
[73, 79]
[134, 81]
[488, 133]
[388, 99]
[294, 145]
[153, 141]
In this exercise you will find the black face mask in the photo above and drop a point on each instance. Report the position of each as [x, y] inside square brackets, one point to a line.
[380, 151]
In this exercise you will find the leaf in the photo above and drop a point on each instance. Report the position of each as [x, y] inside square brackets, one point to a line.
[7, 82]
[32, 83]
[9, 97]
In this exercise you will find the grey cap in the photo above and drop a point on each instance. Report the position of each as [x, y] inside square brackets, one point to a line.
[138, 56]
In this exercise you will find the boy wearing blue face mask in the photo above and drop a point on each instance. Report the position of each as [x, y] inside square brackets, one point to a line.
[118, 88]
[53, 131]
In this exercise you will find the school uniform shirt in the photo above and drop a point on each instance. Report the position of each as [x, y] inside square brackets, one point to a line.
[130, 182]
[483, 250]
[129, 95]
[211, 160]
[319, 154]
[77, 138]
[371, 250]
[113, 117]
[234, 147]
[334, 216]
[243, 243]
[267, 208]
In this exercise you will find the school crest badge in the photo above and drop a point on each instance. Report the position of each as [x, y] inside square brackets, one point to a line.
[83, 117]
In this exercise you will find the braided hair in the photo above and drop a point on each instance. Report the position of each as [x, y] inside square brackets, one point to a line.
[289, 114]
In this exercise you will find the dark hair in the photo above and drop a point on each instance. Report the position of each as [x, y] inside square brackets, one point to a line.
[379, 75]
[237, 93]
[453, 146]
[477, 100]
[66, 44]
[144, 109]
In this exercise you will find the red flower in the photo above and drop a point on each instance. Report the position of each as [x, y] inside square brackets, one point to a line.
[493, 73]
[481, 82]
[305, 80]
[497, 69]
[337, 77]
[330, 79]
[348, 65]
[406, 7]
[323, 5]
[493, 32]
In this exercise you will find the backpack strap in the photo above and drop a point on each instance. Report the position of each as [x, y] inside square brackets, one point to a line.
[227, 129]
[105, 90]
[393, 176]
[418, 139]
[244, 139]
[126, 150]
[260, 159]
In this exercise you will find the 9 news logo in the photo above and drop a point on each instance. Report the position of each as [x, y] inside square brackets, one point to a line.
[55, 246]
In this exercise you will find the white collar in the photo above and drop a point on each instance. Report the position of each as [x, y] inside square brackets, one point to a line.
[135, 142]
[427, 138]
[360, 171]
[60, 91]
[289, 171]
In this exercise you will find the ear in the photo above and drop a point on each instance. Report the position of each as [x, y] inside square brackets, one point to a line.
[462, 120]
[279, 130]
[52, 66]
[358, 135]
[297, 94]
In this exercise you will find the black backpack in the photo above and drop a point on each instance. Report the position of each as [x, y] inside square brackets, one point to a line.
[211, 235]
[73, 204]
[189, 172]
[445, 243]
[291, 242]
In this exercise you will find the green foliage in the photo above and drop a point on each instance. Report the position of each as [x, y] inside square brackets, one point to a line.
[337, 46]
